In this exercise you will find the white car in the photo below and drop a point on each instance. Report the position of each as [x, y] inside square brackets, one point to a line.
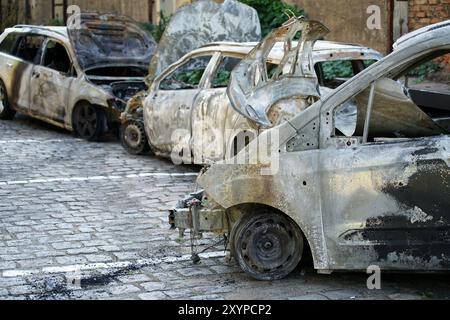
[78, 78]
[188, 115]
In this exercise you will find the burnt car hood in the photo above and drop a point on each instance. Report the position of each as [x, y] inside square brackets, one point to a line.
[102, 40]
[201, 23]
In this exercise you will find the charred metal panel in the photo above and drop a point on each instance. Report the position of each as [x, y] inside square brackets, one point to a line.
[253, 92]
[203, 22]
[293, 190]
[386, 204]
[107, 39]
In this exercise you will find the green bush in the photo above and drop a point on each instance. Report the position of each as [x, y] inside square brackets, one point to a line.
[157, 30]
[55, 23]
[337, 69]
[425, 70]
[272, 13]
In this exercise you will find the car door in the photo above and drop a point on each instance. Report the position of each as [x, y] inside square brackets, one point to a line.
[210, 112]
[170, 105]
[385, 201]
[22, 60]
[8, 61]
[50, 82]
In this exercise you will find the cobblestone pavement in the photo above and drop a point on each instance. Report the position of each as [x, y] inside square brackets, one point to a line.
[72, 210]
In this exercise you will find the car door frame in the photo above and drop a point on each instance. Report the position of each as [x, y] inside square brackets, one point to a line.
[20, 84]
[155, 92]
[48, 113]
[211, 122]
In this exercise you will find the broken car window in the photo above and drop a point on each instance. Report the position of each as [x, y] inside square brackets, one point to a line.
[223, 74]
[8, 44]
[430, 72]
[413, 104]
[428, 85]
[29, 48]
[188, 76]
[56, 57]
[334, 73]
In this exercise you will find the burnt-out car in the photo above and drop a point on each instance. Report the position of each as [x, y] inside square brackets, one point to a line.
[192, 26]
[375, 195]
[77, 77]
[187, 113]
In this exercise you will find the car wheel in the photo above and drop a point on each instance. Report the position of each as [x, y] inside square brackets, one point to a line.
[6, 113]
[89, 122]
[267, 246]
[133, 137]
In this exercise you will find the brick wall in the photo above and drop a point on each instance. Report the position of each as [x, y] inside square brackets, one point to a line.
[426, 12]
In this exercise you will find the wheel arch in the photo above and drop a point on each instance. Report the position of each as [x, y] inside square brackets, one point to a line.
[243, 208]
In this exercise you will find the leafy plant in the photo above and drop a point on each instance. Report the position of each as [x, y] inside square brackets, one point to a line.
[157, 30]
[272, 13]
[337, 69]
[222, 79]
[55, 23]
[425, 70]
[192, 77]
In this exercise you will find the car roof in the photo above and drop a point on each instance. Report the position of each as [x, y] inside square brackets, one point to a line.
[58, 32]
[278, 52]
[416, 36]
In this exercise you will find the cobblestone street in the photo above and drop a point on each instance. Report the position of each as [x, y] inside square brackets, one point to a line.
[72, 210]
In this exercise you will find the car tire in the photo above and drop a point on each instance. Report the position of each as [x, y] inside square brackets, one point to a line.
[268, 246]
[6, 113]
[89, 122]
[133, 138]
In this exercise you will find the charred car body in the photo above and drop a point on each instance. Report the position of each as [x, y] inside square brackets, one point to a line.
[378, 194]
[77, 77]
[191, 27]
[187, 114]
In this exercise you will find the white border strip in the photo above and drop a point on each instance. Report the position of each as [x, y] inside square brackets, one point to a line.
[112, 265]
[40, 141]
[101, 178]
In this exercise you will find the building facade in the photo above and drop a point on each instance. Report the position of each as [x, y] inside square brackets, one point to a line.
[43, 12]
[349, 19]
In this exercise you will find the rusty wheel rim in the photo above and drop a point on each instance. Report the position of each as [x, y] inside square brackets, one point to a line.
[86, 121]
[269, 247]
[133, 135]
